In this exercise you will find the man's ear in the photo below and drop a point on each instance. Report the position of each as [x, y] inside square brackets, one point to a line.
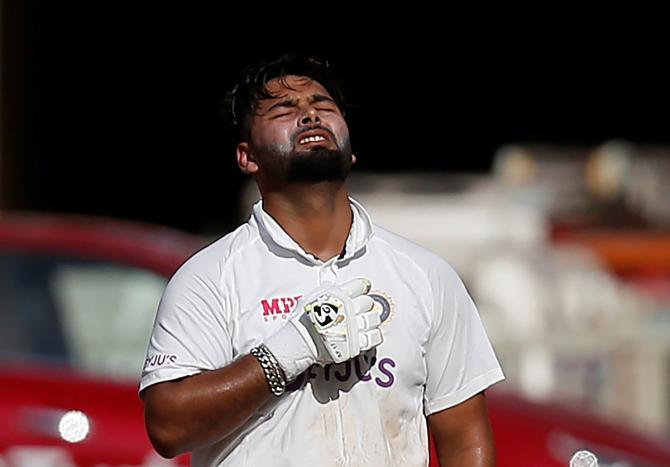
[353, 159]
[245, 159]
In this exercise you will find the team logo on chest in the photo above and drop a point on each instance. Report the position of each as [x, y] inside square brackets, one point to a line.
[325, 312]
[385, 304]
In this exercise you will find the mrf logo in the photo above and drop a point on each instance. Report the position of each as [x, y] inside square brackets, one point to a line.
[279, 307]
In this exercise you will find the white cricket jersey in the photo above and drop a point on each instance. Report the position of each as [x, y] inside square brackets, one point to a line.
[369, 411]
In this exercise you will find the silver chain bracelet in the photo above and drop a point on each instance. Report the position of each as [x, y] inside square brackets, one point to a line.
[273, 372]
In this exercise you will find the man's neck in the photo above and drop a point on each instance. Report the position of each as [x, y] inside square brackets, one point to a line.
[317, 216]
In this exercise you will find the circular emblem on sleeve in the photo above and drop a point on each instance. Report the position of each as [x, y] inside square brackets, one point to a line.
[384, 303]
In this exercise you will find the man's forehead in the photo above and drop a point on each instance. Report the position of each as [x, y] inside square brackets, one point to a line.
[282, 88]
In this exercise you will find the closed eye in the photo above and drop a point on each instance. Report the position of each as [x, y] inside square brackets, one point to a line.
[279, 115]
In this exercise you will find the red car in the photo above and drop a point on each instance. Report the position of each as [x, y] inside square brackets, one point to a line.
[77, 300]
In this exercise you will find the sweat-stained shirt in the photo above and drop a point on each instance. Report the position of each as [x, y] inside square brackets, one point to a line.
[369, 411]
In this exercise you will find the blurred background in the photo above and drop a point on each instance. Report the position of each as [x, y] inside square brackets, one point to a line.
[533, 160]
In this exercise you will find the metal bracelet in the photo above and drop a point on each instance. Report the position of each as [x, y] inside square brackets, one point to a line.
[271, 369]
[275, 364]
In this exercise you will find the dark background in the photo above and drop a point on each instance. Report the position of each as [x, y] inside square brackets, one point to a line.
[114, 109]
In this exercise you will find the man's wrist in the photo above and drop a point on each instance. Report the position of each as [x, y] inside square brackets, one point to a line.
[293, 354]
[273, 372]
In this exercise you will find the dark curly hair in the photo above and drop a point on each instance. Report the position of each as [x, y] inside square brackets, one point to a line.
[242, 100]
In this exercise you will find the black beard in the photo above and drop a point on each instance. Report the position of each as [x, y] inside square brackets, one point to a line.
[318, 165]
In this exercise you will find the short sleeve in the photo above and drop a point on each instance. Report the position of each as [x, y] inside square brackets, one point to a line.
[460, 360]
[190, 332]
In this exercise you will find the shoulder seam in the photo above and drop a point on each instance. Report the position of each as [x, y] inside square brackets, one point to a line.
[416, 265]
[239, 251]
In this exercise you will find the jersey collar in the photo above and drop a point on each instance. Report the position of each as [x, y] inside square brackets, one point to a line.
[271, 232]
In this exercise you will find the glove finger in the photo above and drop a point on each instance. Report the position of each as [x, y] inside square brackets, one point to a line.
[362, 304]
[356, 287]
[370, 339]
[369, 320]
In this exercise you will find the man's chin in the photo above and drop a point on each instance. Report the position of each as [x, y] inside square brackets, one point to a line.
[319, 168]
[315, 149]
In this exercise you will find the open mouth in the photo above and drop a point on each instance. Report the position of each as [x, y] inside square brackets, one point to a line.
[314, 137]
[311, 139]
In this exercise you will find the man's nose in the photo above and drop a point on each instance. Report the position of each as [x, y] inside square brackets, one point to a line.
[309, 117]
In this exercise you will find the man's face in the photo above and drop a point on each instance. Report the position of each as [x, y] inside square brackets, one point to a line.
[300, 135]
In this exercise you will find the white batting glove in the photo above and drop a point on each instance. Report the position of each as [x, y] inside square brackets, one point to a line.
[332, 324]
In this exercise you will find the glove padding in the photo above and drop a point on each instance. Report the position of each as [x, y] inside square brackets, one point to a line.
[329, 325]
[339, 321]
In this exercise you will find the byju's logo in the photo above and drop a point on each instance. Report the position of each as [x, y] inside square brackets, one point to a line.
[364, 367]
[159, 360]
